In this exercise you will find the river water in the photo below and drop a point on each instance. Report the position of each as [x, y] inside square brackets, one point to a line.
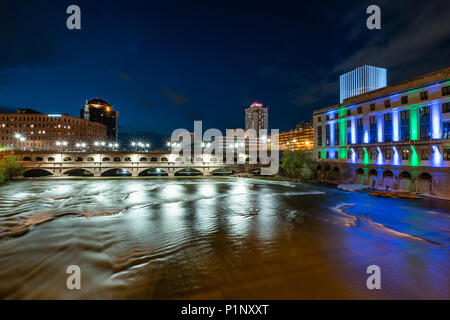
[214, 238]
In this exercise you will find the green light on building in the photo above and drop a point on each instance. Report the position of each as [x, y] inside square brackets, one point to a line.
[366, 157]
[414, 161]
[413, 123]
[342, 128]
[342, 153]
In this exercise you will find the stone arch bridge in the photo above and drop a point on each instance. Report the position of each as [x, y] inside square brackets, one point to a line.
[135, 163]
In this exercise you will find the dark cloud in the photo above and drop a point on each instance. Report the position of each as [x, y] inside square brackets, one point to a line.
[4, 109]
[148, 104]
[178, 99]
[192, 115]
[410, 37]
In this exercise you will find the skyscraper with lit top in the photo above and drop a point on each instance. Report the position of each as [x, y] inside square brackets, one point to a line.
[256, 117]
[99, 110]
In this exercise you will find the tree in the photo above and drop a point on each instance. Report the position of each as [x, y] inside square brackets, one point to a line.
[10, 168]
[299, 164]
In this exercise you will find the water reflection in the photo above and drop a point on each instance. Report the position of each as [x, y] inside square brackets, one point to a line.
[217, 238]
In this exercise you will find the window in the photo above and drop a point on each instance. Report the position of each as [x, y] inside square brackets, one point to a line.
[349, 154]
[404, 125]
[387, 127]
[446, 91]
[360, 131]
[328, 155]
[373, 154]
[446, 154]
[405, 154]
[404, 99]
[388, 154]
[349, 131]
[424, 95]
[327, 135]
[319, 119]
[318, 155]
[349, 112]
[359, 109]
[360, 154]
[446, 107]
[337, 135]
[372, 107]
[327, 117]
[387, 103]
[425, 154]
[446, 130]
[373, 129]
[319, 136]
[425, 123]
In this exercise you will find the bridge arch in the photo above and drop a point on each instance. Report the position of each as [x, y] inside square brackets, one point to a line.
[153, 172]
[116, 173]
[223, 172]
[37, 173]
[188, 172]
[78, 173]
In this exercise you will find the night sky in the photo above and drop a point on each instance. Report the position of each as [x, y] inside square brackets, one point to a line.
[163, 64]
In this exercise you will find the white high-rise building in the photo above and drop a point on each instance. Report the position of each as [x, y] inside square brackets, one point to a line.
[362, 80]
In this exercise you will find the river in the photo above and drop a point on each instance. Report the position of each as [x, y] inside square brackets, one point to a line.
[217, 238]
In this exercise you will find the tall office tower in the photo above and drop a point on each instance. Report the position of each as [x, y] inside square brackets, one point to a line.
[256, 117]
[362, 80]
[99, 110]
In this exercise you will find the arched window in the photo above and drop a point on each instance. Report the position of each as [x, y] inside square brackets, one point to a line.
[79, 159]
[67, 159]
[39, 159]
[90, 159]
[154, 159]
[26, 159]
[164, 159]
[127, 159]
[106, 159]
[143, 159]
[50, 159]
[425, 176]
[116, 159]
[388, 174]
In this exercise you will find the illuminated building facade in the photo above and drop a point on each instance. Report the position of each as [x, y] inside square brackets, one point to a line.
[31, 130]
[302, 138]
[361, 80]
[396, 137]
[256, 117]
[99, 110]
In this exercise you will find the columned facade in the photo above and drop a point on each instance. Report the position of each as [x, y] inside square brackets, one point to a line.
[396, 137]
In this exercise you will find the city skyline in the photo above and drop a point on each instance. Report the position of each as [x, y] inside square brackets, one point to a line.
[170, 58]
